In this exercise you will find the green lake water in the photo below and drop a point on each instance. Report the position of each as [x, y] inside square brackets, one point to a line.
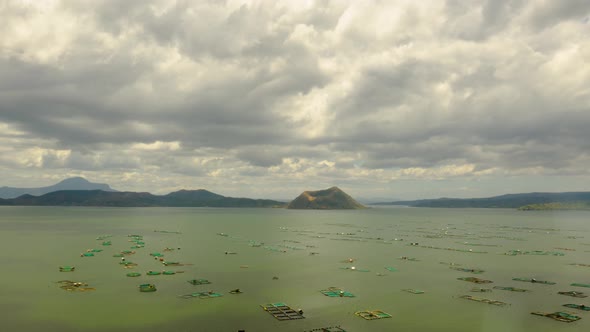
[35, 241]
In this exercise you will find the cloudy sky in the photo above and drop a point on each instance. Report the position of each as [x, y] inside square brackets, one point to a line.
[385, 99]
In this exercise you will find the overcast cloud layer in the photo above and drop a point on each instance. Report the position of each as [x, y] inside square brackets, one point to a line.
[400, 99]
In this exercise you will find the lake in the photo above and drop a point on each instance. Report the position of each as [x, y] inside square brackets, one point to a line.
[307, 251]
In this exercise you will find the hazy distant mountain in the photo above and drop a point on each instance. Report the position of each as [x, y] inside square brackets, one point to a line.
[557, 206]
[503, 201]
[183, 198]
[75, 183]
[332, 198]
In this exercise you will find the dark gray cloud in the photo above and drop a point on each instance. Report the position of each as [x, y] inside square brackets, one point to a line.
[259, 156]
[545, 14]
[90, 103]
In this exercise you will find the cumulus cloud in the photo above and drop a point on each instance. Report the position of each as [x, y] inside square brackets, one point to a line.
[158, 95]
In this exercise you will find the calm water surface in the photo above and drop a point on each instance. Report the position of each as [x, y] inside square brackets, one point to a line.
[37, 240]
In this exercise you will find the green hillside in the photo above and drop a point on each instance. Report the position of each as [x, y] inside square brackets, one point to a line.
[512, 201]
[183, 198]
[328, 199]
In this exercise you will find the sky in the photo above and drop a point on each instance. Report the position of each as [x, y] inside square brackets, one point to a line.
[385, 99]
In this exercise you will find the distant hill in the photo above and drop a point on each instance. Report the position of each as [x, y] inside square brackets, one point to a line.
[504, 201]
[332, 198]
[556, 206]
[183, 198]
[75, 183]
